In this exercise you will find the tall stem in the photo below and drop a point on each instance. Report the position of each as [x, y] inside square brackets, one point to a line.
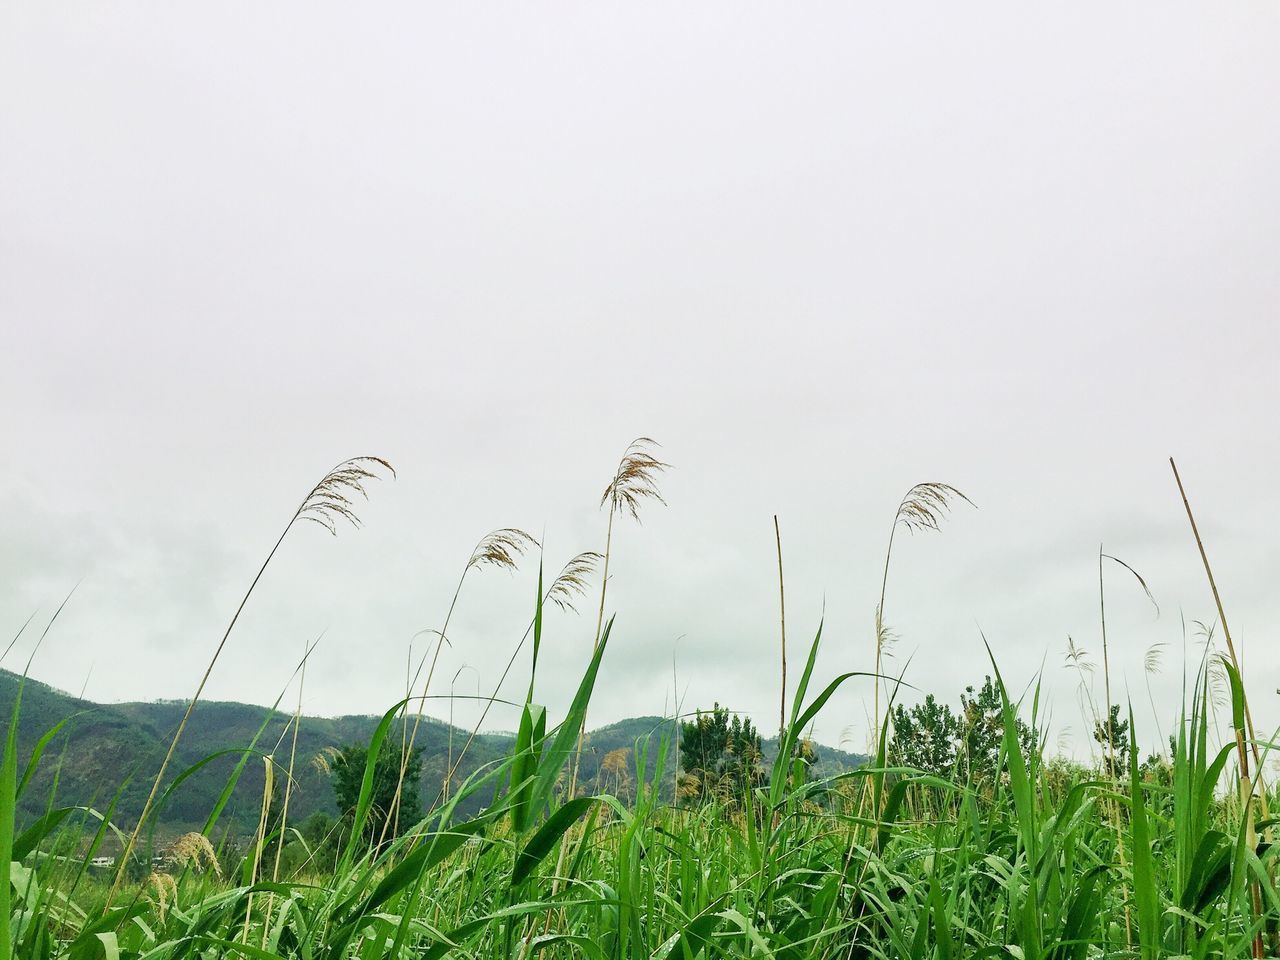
[182, 725]
[288, 791]
[1106, 669]
[1222, 618]
[595, 645]
[884, 583]
[393, 815]
[782, 620]
[582, 729]
[1247, 785]
[1110, 754]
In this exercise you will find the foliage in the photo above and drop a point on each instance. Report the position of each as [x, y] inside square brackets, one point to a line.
[720, 756]
[348, 770]
[926, 737]
[1113, 736]
[930, 737]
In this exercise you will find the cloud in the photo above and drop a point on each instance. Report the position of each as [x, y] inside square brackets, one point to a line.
[821, 259]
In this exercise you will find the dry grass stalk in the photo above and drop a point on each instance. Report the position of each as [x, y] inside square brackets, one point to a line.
[923, 508]
[260, 838]
[193, 850]
[782, 621]
[163, 889]
[634, 481]
[328, 501]
[503, 548]
[288, 791]
[569, 586]
[1248, 786]
[323, 761]
[1110, 749]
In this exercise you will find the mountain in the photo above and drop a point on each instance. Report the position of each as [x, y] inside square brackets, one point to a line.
[108, 753]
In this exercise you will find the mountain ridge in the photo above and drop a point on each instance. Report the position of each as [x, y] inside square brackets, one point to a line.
[108, 747]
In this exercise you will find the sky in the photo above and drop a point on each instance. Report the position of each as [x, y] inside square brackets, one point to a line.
[820, 253]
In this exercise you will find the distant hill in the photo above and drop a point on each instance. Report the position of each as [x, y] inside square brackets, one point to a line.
[105, 749]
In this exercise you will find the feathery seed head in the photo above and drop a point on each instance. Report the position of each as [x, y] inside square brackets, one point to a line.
[333, 498]
[926, 505]
[163, 890]
[195, 850]
[1078, 657]
[572, 581]
[323, 761]
[635, 479]
[502, 548]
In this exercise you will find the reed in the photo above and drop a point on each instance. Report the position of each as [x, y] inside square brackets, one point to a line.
[1038, 857]
[329, 503]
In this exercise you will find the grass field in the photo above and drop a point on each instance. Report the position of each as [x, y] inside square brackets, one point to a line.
[1030, 858]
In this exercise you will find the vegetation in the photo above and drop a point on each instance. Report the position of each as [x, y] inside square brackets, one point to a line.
[961, 836]
[720, 758]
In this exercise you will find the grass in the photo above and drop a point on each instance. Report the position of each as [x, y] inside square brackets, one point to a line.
[1037, 859]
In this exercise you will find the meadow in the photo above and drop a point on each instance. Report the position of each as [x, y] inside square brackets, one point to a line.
[986, 846]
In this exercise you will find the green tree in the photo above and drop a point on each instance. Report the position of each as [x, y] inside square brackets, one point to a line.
[933, 738]
[982, 732]
[348, 774]
[720, 756]
[925, 737]
[1115, 758]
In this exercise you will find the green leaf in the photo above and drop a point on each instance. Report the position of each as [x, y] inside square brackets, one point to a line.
[8, 804]
[542, 842]
[37, 752]
[32, 836]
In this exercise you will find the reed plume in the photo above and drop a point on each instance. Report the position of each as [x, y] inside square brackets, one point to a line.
[923, 508]
[634, 481]
[193, 850]
[322, 762]
[503, 548]
[569, 585]
[164, 891]
[327, 503]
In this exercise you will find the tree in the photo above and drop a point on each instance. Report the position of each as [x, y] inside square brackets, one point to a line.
[1114, 740]
[982, 732]
[348, 768]
[721, 756]
[932, 738]
[925, 737]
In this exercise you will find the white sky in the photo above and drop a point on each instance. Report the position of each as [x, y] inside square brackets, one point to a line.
[821, 252]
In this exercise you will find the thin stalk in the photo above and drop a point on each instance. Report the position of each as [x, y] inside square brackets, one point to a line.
[595, 645]
[884, 583]
[1109, 752]
[284, 808]
[1226, 630]
[328, 502]
[782, 621]
[1241, 752]
[392, 821]
[582, 729]
[182, 725]
[268, 782]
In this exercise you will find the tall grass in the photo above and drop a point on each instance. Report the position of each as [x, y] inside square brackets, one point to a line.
[1035, 858]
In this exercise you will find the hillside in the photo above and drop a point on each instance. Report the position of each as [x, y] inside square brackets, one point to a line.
[105, 748]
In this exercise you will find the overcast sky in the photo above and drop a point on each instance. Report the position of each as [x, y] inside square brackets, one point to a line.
[821, 252]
